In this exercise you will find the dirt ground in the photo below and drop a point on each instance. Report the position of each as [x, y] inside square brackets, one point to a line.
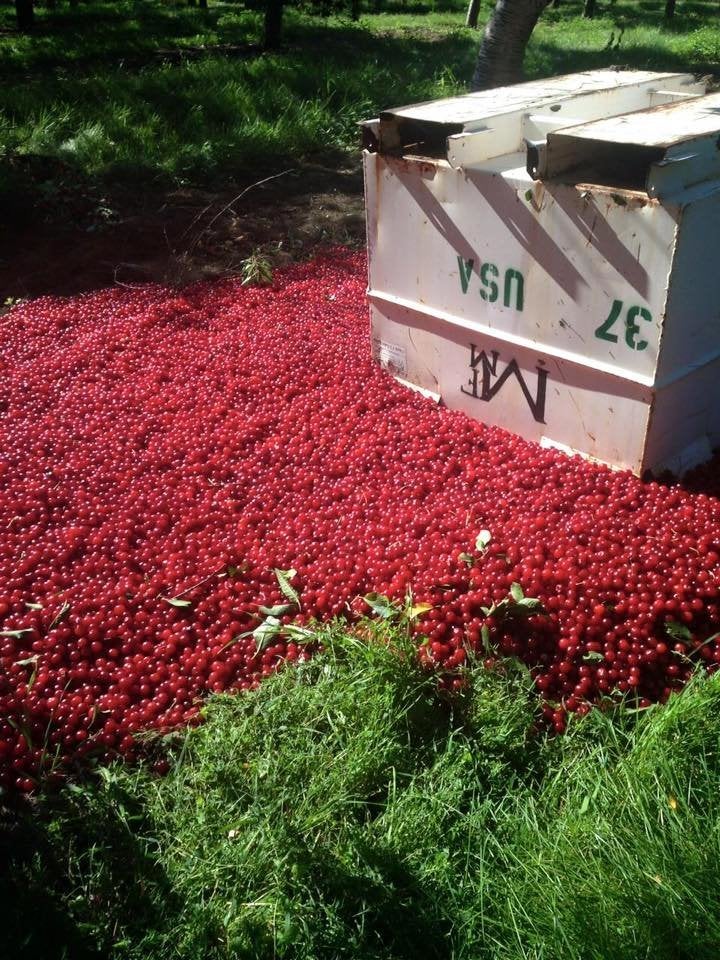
[70, 241]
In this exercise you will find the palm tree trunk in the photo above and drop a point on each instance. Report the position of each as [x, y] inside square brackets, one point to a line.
[500, 60]
[589, 9]
[669, 9]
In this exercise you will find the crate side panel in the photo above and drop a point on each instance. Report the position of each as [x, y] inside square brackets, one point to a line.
[560, 266]
[691, 334]
[685, 422]
[522, 390]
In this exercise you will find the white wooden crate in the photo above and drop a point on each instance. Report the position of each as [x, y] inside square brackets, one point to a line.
[546, 257]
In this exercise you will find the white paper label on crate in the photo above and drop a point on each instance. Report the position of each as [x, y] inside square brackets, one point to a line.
[392, 356]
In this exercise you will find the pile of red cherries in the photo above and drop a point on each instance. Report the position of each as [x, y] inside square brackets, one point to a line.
[162, 453]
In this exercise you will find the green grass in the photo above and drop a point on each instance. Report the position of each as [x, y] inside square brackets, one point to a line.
[632, 35]
[347, 810]
[116, 111]
[94, 88]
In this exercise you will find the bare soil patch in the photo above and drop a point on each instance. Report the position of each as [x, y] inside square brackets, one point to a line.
[74, 241]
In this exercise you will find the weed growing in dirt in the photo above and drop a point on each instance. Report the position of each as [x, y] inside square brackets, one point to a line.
[256, 269]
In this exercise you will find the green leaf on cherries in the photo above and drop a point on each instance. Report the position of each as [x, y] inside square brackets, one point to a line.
[381, 605]
[279, 610]
[516, 604]
[34, 606]
[266, 632]
[418, 610]
[483, 541]
[505, 608]
[593, 655]
[16, 634]
[485, 637]
[530, 605]
[283, 578]
[299, 634]
[177, 602]
[30, 662]
[467, 558]
[678, 631]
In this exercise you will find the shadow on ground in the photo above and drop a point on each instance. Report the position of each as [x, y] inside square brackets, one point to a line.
[179, 236]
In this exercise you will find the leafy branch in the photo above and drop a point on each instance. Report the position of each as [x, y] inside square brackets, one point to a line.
[516, 606]
[271, 627]
[395, 612]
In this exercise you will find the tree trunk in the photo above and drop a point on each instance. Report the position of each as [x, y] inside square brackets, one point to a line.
[203, 4]
[472, 13]
[273, 23]
[355, 9]
[669, 9]
[51, 4]
[24, 14]
[589, 9]
[502, 51]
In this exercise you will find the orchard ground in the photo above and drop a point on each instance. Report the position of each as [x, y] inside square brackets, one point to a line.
[131, 131]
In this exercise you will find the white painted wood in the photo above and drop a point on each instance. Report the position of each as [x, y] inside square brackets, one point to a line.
[490, 103]
[584, 315]
[660, 126]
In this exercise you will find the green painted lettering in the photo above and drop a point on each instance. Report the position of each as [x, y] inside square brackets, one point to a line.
[465, 267]
[603, 331]
[632, 329]
[491, 292]
[510, 276]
